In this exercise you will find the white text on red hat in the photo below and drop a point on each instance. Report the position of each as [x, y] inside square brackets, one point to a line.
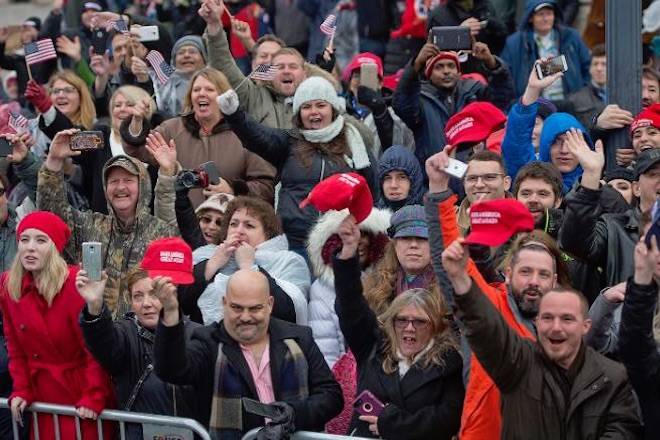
[171, 257]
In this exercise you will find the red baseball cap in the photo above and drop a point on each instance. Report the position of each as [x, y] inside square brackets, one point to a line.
[493, 222]
[650, 116]
[341, 191]
[474, 123]
[392, 81]
[360, 59]
[169, 257]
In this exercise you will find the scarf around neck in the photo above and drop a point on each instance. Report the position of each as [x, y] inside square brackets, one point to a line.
[359, 158]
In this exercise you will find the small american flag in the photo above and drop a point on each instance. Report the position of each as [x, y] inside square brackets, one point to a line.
[38, 51]
[264, 72]
[162, 69]
[329, 25]
[18, 122]
[119, 25]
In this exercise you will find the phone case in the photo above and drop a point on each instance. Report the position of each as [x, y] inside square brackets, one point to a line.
[369, 76]
[451, 37]
[5, 147]
[87, 140]
[99, 41]
[456, 168]
[211, 171]
[92, 259]
[366, 404]
[553, 65]
[148, 33]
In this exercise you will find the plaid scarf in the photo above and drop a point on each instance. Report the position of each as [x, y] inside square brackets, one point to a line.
[226, 420]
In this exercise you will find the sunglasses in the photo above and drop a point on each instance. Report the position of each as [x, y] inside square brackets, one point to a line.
[207, 220]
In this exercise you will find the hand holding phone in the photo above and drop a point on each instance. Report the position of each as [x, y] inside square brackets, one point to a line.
[456, 168]
[551, 66]
[451, 37]
[92, 261]
[366, 404]
[369, 75]
[87, 140]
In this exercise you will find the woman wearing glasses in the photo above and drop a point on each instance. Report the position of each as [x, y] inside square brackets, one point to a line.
[406, 356]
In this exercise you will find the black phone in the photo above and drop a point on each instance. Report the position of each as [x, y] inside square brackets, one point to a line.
[99, 41]
[212, 173]
[451, 37]
[5, 147]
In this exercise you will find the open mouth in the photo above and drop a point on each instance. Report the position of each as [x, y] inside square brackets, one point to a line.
[556, 341]
[646, 148]
[409, 340]
[203, 104]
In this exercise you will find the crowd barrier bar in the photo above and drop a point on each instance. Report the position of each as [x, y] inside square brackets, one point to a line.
[303, 435]
[121, 417]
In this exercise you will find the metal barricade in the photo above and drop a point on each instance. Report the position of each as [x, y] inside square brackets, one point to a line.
[121, 417]
[303, 435]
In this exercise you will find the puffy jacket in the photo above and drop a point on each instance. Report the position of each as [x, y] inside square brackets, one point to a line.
[605, 240]
[323, 239]
[423, 107]
[520, 53]
[399, 158]
[639, 351]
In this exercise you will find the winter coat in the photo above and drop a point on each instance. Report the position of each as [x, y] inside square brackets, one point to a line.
[279, 148]
[423, 107]
[376, 18]
[41, 72]
[426, 402]
[517, 147]
[323, 239]
[605, 318]
[520, 53]
[585, 104]
[193, 362]
[222, 147]
[123, 245]
[48, 361]
[600, 402]
[273, 256]
[605, 240]
[125, 350]
[399, 158]
[639, 351]
[171, 95]
[481, 417]
[317, 11]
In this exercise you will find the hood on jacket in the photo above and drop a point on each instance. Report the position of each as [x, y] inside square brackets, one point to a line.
[555, 125]
[134, 166]
[323, 240]
[529, 11]
[401, 159]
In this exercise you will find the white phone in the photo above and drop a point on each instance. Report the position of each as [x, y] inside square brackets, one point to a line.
[456, 168]
[147, 33]
[551, 66]
[92, 259]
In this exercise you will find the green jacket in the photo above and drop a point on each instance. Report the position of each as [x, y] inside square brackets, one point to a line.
[123, 245]
[601, 403]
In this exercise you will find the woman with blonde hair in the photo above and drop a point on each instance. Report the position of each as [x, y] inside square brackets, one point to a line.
[202, 135]
[409, 369]
[48, 361]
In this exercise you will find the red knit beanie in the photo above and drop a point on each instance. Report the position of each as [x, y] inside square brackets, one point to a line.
[441, 56]
[48, 223]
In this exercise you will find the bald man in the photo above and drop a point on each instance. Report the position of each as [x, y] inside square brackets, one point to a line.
[251, 354]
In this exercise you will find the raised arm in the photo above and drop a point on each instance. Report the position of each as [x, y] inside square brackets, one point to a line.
[605, 314]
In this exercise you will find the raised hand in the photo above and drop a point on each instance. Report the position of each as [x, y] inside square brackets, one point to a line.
[535, 86]
[70, 48]
[60, 146]
[473, 24]
[646, 261]
[349, 232]
[228, 102]
[163, 152]
[481, 51]
[615, 294]
[221, 256]
[140, 69]
[613, 117]
[222, 187]
[91, 291]
[590, 160]
[38, 96]
[19, 148]
[454, 261]
[429, 50]
[245, 256]
[241, 29]
[210, 11]
[100, 64]
[435, 170]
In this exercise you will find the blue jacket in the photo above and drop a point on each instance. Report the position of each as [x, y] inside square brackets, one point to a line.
[401, 159]
[517, 147]
[555, 125]
[420, 105]
[520, 53]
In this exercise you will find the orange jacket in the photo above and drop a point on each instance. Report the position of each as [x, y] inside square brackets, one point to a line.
[481, 419]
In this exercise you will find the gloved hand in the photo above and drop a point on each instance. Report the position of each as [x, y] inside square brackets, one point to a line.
[38, 96]
[228, 102]
[371, 99]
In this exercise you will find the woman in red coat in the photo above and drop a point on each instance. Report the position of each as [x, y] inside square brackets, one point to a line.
[48, 361]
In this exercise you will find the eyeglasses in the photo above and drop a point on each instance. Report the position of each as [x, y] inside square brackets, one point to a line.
[68, 90]
[401, 323]
[207, 220]
[487, 178]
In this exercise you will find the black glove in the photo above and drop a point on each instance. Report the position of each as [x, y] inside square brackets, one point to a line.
[281, 415]
[372, 99]
[326, 65]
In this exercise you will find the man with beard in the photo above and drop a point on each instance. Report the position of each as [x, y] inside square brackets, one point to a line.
[532, 269]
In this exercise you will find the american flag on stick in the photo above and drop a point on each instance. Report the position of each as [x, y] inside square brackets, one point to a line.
[264, 72]
[39, 51]
[162, 69]
[329, 25]
[18, 122]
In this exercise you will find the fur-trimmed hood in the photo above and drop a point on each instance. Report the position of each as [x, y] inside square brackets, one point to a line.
[320, 236]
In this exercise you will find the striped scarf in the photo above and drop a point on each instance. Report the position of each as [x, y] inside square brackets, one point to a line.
[226, 420]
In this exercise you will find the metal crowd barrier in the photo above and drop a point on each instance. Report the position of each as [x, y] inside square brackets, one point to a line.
[121, 417]
[303, 435]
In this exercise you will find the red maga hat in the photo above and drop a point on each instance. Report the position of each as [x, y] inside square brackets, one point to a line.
[340, 191]
[474, 123]
[493, 222]
[169, 257]
[650, 116]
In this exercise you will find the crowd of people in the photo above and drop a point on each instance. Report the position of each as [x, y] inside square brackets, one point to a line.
[312, 216]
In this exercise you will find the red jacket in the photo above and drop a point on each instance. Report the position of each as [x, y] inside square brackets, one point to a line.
[48, 361]
[481, 417]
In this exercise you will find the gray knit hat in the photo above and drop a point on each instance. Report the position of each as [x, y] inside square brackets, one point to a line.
[316, 87]
[189, 40]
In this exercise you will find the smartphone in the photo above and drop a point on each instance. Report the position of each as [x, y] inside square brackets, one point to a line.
[456, 168]
[369, 75]
[99, 41]
[147, 33]
[552, 66]
[366, 404]
[91, 259]
[5, 147]
[451, 37]
[211, 171]
[87, 140]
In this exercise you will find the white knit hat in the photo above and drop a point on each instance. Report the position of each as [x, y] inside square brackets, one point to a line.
[316, 87]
